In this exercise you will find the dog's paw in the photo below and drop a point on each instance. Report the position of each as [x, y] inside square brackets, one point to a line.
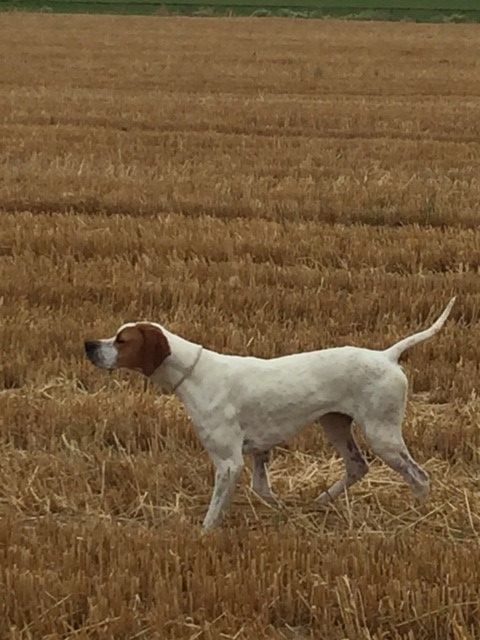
[269, 498]
[323, 499]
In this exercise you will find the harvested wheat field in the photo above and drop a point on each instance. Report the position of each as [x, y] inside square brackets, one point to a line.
[262, 187]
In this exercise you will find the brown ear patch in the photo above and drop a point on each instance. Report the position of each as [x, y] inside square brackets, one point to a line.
[142, 347]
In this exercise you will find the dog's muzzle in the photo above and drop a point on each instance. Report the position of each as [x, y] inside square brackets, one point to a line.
[91, 350]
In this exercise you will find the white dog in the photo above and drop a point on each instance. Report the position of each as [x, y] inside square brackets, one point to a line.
[248, 405]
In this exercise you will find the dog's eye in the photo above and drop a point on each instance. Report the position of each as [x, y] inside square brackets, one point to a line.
[120, 341]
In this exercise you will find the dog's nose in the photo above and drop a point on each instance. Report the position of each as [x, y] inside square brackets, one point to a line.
[90, 347]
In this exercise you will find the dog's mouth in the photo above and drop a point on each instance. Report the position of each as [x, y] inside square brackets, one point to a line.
[92, 351]
[101, 353]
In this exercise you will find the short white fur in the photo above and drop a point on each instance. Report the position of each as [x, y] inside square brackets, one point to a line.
[245, 405]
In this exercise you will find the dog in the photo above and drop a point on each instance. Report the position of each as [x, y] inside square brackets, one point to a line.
[246, 405]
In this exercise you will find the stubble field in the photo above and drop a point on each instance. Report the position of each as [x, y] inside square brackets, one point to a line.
[261, 187]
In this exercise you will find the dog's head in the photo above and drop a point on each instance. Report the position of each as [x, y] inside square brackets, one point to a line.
[141, 346]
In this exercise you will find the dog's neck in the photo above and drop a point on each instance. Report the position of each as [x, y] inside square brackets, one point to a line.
[179, 366]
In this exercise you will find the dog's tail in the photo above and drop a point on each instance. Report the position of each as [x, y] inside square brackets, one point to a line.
[394, 353]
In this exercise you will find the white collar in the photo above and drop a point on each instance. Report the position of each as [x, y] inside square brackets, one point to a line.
[189, 371]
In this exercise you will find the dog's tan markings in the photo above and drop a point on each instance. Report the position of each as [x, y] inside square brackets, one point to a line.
[142, 347]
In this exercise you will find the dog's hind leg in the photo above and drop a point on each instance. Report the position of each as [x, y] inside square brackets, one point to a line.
[338, 429]
[382, 425]
[387, 443]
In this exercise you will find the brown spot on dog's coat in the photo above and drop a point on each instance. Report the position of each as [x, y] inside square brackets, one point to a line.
[142, 347]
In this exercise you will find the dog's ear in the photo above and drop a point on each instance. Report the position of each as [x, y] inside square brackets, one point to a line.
[155, 348]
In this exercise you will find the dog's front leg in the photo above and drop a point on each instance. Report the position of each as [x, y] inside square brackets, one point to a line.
[260, 482]
[226, 475]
